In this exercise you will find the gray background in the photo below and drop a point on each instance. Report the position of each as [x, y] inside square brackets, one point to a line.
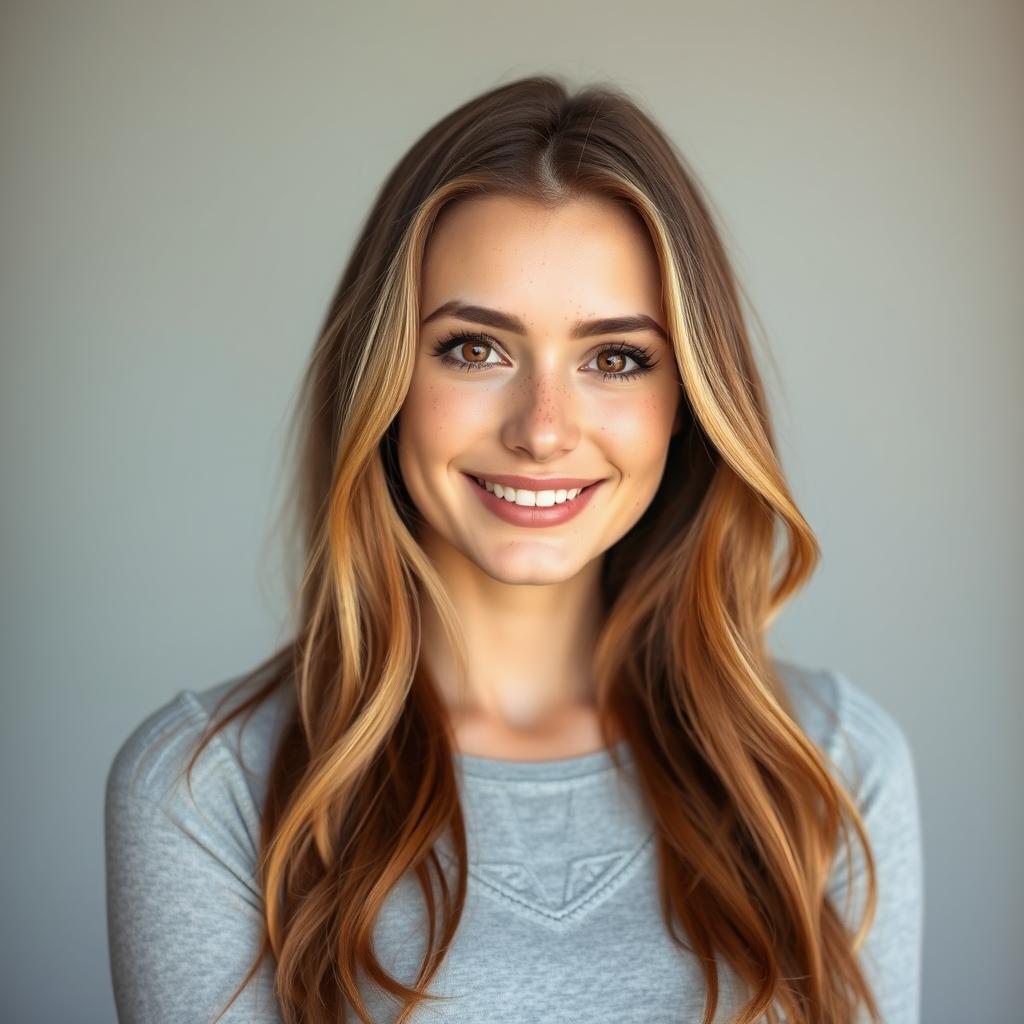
[181, 185]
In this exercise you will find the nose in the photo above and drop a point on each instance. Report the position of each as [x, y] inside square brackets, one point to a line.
[542, 421]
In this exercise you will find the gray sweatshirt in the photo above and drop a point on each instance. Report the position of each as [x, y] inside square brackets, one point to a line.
[562, 919]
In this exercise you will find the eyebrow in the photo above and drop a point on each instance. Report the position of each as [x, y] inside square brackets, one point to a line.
[581, 329]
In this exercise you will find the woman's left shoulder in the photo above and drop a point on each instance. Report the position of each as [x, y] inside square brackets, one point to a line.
[870, 750]
[855, 729]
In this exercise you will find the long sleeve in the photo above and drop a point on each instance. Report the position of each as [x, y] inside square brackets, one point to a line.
[184, 910]
[875, 757]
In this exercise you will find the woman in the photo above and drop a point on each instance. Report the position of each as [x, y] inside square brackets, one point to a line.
[527, 757]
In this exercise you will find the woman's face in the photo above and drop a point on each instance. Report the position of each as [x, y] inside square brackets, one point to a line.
[532, 390]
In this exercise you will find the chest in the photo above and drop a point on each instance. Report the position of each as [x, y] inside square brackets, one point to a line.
[562, 918]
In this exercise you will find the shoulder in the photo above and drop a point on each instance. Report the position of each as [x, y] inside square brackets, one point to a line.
[182, 859]
[860, 736]
[869, 752]
[151, 762]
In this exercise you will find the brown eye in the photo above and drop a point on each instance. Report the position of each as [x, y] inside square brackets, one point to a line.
[470, 351]
[474, 351]
[614, 362]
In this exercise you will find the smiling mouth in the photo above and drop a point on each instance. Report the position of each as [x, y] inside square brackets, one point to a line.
[568, 501]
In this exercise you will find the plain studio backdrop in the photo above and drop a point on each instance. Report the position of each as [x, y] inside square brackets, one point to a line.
[181, 186]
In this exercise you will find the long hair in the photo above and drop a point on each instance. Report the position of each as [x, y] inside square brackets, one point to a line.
[747, 813]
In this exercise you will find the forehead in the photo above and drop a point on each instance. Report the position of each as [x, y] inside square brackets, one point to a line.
[585, 257]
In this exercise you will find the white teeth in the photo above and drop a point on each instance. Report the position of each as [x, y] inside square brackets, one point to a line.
[529, 499]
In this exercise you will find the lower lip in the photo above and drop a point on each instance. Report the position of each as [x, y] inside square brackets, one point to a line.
[525, 515]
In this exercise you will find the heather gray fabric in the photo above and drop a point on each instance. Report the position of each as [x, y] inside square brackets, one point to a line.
[562, 921]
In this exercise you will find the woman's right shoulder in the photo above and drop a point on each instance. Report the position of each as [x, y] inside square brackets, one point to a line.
[184, 897]
[151, 760]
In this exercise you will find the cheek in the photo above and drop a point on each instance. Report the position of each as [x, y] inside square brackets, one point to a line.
[638, 431]
[438, 419]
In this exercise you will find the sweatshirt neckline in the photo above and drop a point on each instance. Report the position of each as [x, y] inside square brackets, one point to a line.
[478, 766]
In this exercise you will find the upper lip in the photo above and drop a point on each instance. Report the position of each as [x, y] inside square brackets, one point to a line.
[534, 483]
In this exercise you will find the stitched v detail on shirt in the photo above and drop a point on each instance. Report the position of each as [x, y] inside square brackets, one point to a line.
[586, 883]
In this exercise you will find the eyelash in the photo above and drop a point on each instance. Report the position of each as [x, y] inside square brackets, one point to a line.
[643, 358]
